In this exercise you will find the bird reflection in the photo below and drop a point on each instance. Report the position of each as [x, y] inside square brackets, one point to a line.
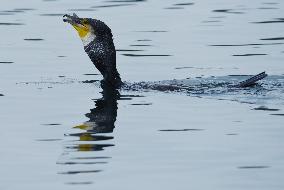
[101, 120]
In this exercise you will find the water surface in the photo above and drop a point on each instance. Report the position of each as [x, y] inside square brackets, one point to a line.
[60, 130]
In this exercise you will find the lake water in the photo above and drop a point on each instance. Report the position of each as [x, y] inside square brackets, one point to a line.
[60, 131]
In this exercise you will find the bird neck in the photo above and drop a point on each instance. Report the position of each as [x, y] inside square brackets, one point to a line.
[112, 79]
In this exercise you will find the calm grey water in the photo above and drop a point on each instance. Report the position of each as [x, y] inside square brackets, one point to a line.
[58, 132]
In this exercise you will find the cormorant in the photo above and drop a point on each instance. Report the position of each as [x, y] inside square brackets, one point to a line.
[98, 44]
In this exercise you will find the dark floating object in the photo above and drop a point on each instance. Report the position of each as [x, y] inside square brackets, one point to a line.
[51, 124]
[253, 44]
[174, 130]
[232, 134]
[6, 62]
[61, 76]
[80, 172]
[11, 24]
[249, 54]
[129, 50]
[1, 95]
[61, 56]
[263, 108]
[145, 55]
[276, 20]
[253, 167]
[277, 38]
[33, 39]
[278, 114]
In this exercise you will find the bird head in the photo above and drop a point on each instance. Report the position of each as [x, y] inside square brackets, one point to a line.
[88, 28]
[98, 44]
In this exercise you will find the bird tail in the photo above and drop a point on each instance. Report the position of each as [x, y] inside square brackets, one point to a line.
[251, 81]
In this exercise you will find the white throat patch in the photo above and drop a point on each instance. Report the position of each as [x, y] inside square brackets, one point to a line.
[88, 38]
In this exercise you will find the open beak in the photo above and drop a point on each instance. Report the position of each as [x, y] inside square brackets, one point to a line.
[72, 19]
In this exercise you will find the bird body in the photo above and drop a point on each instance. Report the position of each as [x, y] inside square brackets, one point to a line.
[98, 43]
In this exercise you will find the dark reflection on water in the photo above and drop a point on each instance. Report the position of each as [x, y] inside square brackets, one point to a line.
[81, 9]
[85, 163]
[278, 114]
[101, 120]
[114, 5]
[276, 20]
[253, 167]
[141, 45]
[33, 39]
[174, 8]
[252, 44]
[248, 54]
[145, 55]
[227, 11]
[80, 172]
[11, 23]
[276, 38]
[80, 183]
[51, 124]
[6, 62]
[183, 4]
[52, 14]
[130, 50]
[154, 31]
[141, 104]
[49, 140]
[176, 130]
[263, 108]
[91, 158]
[144, 40]
[124, 1]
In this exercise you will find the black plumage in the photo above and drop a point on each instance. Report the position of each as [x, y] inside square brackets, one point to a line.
[103, 54]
